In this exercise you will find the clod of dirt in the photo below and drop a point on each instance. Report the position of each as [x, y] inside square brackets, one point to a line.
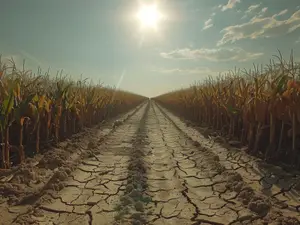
[139, 206]
[232, 176]
[196, 144]
[218, 167]
[74, 145]
[122, 212]
[25, 219]
[56, 186]
[52, 160]
[126, 200]
[91, 145]
[139, 153]
[144, 185]
[137, 216]
[137, 165]
[129, 188]
[59, 186]
[10, 189]
[147, 199]
[60, 175]
[101, 139]
[277, 218]
[259, 205]
[136, 222]
[67, 170]
[25, 175]
[118, 216]
[135, 194]
[234, 181]
[237, 185]
[117, 123]
[246, 195]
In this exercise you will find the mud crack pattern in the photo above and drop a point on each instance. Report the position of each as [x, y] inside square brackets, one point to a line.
[153, 170]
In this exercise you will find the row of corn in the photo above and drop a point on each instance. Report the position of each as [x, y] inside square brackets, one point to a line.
[260, 108]
[36, 109]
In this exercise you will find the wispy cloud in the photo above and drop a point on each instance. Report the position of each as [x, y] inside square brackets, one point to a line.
[261, 13]
[198, 70]
[208, 24]
[282, 12]
[263, 10]
[231, 4]
[261, 27]
[215, 54]
[251, 8]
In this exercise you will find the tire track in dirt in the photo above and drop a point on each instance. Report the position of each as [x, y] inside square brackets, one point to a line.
[131, 209]
[268, 191]
[186, 182]
[94, 188]
[24, 184]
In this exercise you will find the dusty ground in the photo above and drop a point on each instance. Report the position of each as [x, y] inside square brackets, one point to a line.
[151, 169]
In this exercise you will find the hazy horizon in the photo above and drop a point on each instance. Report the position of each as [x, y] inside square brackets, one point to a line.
[103, 40]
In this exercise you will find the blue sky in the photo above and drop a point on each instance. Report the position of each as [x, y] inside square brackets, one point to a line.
[101, 40]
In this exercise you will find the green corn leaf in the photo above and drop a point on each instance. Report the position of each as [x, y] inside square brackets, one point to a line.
[7, 104]
[281, 84]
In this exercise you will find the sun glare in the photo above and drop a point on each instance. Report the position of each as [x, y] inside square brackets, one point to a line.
[149, 16]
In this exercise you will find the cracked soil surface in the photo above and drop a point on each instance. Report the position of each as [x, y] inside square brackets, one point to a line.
[154, 169]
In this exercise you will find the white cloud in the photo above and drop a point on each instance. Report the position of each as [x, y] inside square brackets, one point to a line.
[252, 8]
[261, 27]
[208, 24]
[231, 4]
[263, 10]
[215, 55]
[282, 12]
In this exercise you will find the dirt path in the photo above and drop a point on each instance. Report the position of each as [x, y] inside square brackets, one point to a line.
[150, 171]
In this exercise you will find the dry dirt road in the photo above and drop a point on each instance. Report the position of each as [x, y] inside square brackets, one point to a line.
[154, 169]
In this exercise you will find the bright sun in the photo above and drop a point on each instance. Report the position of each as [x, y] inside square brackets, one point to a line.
[149, 16]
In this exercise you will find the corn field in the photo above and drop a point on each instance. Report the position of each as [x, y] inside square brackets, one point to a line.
[37, 110]
[259, 108]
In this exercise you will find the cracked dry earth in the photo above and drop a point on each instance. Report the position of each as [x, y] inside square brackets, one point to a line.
[152, 170]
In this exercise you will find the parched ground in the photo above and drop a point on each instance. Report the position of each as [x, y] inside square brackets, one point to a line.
[151, 169]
